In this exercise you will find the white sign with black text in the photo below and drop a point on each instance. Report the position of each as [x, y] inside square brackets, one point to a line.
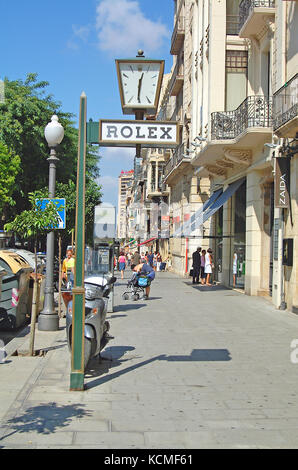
[145, 133]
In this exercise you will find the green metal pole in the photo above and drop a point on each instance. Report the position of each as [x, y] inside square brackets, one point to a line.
[78, 314]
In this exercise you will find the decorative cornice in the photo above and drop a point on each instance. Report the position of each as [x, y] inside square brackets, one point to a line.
[239, 156]
[215, 170]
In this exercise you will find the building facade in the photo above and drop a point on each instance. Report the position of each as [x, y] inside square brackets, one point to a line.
[233, 88]
[124, 183]
[239, 78]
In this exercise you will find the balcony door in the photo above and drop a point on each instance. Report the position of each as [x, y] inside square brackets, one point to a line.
[266, 73]
[236, 78]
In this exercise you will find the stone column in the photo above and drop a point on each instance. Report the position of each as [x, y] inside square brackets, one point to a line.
[254, 220]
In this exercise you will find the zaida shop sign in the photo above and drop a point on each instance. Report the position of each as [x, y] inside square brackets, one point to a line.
[145, 133]
[282, 183]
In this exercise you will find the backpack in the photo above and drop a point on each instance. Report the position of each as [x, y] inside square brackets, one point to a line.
[143, 281]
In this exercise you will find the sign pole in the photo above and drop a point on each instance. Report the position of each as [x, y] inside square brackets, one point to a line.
[78, 314]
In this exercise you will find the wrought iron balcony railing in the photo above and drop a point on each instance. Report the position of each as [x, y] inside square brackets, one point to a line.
[285, 103]
[254, 111]
[178, 35]
[177, 157]
[177, 79]
[246, 6]
[156, 188]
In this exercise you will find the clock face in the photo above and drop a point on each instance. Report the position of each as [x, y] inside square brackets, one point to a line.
[139, 83]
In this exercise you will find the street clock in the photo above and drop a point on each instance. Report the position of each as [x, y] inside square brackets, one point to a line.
[140, 82]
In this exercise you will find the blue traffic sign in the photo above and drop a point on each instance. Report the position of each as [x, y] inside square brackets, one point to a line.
[61, 210]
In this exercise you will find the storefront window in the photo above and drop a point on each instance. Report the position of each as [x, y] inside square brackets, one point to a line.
[237, 267]
[218, 245]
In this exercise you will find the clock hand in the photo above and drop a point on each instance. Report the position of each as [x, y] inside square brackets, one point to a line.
[140, 86]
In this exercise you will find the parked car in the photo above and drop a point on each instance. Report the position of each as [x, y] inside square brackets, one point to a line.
[15, 299]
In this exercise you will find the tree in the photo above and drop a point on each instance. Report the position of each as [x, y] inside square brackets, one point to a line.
[9, 169]
[32, 224]
[23, 116]
[68, 191]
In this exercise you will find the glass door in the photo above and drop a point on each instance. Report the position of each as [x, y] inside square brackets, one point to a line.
[218, 245]
[238, 220]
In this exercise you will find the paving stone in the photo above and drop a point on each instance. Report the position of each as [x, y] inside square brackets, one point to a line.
[185, 370]
[114, 440]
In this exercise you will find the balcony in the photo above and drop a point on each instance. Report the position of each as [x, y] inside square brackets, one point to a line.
[254, 112]
[177, 80]
[252, 16]
[165, 112]
[234, 134]
[155, 191]
[176, 164]
[178, 36]
[285, 109]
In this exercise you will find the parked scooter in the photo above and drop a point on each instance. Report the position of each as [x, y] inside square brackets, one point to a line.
[96, 336]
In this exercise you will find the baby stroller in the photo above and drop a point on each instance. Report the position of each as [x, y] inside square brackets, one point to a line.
[136, 286]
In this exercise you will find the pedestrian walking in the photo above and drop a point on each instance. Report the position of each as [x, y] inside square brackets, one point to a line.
[154, 261]
[203, 275]
[196, 266]
[235, 261]
[68, 275]
[150, 259]
[136, 259]
[122, 264]
[68, 267]
[158, 261]
[208, 266]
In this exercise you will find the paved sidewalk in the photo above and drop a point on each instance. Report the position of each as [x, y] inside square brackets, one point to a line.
[193, 367]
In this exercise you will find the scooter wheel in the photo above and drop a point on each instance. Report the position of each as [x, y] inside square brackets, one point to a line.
[125, 296]
[136, 297]
[88, 346]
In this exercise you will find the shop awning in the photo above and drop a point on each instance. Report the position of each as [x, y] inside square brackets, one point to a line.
[131, 242]
[147, 241]
[222, 199]
[197, 218]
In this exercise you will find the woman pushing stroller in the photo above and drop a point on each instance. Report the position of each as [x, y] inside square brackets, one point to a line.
[145, 269]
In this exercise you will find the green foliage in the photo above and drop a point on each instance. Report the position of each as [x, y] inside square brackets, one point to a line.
[35, 221]
[23, 116]
[68, 191]
[9, 169]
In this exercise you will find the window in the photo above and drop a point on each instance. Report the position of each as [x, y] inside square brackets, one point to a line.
[233, 17]
[236, 78]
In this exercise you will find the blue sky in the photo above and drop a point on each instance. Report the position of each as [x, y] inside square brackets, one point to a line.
[73, 45]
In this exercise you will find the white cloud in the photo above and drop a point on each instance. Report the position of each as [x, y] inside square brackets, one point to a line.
[81, 32]
[123, 28]
[108, 181]
[109, 186]
[122, 155]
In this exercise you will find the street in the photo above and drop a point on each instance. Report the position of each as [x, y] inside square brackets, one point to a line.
[192, 367]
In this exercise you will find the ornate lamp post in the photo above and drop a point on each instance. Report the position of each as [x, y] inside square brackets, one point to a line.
[48, 319]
